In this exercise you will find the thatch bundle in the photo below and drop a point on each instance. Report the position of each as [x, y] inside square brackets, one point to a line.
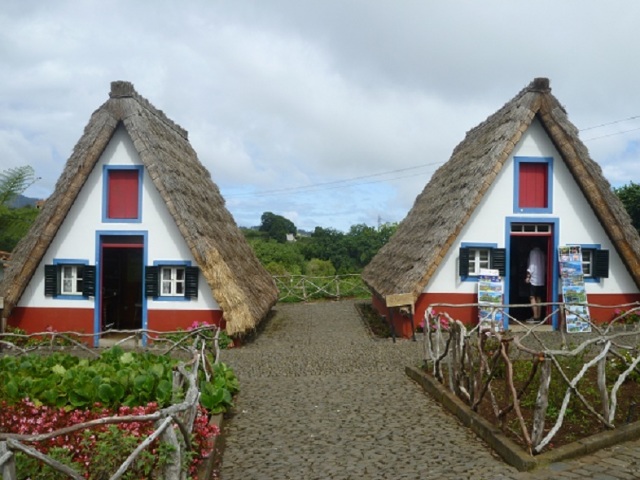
[241, 286]
[406, 264]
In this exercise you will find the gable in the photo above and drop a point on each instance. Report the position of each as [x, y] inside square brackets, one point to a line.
[243, 288]
[578, 223]
[77, 236]
[407, 263]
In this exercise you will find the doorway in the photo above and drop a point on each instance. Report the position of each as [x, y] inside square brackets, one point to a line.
[121, 282]
[521, 243]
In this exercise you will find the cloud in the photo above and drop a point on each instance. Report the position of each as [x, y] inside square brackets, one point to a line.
[287, 94]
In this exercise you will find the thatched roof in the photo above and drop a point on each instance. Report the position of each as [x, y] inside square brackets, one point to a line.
[408, 261]
[241, 286]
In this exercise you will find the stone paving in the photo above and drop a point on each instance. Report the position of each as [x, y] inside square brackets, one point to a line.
[321, 399]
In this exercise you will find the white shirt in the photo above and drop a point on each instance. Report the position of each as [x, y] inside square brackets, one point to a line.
[537, 267]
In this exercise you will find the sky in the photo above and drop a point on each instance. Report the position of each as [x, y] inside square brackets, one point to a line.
[331, 113]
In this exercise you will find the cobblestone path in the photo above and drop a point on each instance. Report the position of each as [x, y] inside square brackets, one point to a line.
[321, 399]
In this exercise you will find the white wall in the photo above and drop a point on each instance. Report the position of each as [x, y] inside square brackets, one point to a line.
[76, 238]
[577, 221]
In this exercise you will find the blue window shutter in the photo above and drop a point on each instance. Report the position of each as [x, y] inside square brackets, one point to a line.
[191, 282]
[50, 280]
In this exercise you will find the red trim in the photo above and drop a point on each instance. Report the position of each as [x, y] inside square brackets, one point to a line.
[35, 320]
[469, 315]
[402, 324]
[122, 245]
[169, 320]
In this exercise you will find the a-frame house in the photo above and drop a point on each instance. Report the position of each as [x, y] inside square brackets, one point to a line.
[519, 179]
[135, 235]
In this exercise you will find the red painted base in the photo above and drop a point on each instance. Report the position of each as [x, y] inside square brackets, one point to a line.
[80, 320]
[35, 320]
[170, 320]
[469, 315]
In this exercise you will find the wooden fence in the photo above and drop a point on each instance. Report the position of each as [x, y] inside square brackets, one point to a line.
[302, 288]
[181, 415]
[470, 362]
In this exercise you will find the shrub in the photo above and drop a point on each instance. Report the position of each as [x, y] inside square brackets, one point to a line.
[98, 452]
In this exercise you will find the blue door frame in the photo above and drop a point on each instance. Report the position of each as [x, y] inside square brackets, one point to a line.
[552, 273]
[101, 236]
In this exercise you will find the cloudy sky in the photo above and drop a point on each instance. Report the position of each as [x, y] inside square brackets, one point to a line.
[330, 113]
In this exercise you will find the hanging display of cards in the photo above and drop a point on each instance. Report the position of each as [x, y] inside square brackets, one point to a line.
[574, 293]
[490, 290]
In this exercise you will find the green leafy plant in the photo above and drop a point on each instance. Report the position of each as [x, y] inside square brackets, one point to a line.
[217, 395]
[115, 378]
[181, 336]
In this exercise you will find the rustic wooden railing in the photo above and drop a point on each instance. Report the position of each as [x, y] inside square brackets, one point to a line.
[468, 362]
[302, 288]
[181, 414]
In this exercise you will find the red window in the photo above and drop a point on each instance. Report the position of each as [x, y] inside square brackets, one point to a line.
[123, 191]
[533, 185]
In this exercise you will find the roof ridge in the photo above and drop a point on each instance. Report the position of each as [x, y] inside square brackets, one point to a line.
[125, 89]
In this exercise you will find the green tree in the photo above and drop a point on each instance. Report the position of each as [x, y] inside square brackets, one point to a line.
[14, 222]
[279, 258]
[364, 242]
[630, 196]
[276, 226]
[328, 244]
[319, 268]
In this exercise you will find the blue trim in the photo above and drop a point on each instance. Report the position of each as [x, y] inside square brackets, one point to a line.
[516, 184]
[105, 193]
[554, 259]
[475, 278]
[171, 263]
[590, 246]
[145, 246]
[71, 262]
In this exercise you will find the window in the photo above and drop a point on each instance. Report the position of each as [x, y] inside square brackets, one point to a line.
[478, 259]
[530, 227]
[595, 263]
[122, 189]
[533, 184]
[69, 279]
[171, 280]
[473, 257]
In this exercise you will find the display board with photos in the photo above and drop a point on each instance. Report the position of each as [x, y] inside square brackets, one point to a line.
[490, 295]
[574, 293]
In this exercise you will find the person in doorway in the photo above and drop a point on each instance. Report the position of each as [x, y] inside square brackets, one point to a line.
[536, 274]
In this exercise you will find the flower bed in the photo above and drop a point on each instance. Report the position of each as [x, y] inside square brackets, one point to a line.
[98, 451]
[121, 410]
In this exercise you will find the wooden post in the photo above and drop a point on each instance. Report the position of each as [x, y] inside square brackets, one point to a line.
[7, 462]
[2, 319]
